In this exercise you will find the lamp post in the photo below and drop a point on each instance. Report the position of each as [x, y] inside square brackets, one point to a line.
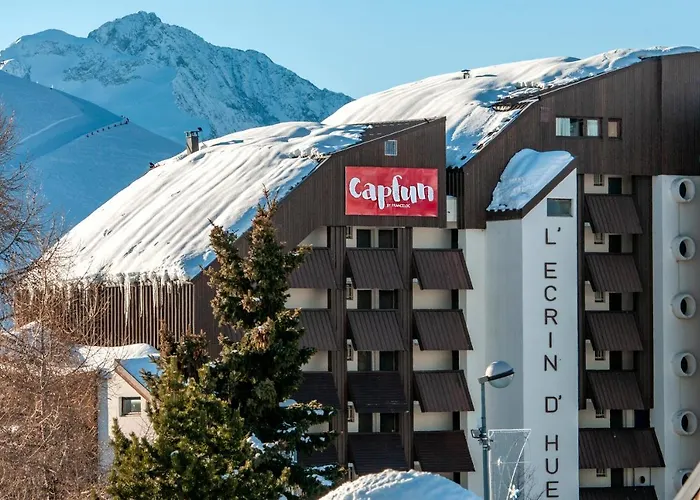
[499, 374]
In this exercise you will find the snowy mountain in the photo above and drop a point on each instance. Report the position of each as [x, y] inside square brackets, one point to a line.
[80, 155]
[395, 485]
[167, 79]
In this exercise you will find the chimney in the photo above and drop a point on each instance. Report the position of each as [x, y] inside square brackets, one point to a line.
[192, 139]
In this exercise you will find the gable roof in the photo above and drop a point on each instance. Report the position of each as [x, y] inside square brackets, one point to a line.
[467, 102]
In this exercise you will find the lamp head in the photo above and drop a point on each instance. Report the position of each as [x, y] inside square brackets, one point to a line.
[499, 374]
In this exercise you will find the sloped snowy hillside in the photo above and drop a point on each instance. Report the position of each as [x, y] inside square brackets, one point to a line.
[167, 79]
[466, 102]
[395, 485]
[80, 154]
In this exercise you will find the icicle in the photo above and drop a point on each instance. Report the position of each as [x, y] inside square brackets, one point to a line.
[126, 284]
[141, 280]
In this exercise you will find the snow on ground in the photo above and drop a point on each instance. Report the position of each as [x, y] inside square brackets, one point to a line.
[526, 174]
[158, 227]
[75, 160]
[395, 485]
[471, 122]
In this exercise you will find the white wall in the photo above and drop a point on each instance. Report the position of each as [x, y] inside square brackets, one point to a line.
[589, 479]
[317, 363]
[318, 238]
[112, 389]
[504, 327]
[431, 360]
[431, 299]
[474, 304]
[431, 421]
[587, 418]
[673, 335]
[550, 323]
[310, 298]
[429, 237]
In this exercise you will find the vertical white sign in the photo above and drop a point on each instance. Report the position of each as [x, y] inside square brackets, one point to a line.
[550, 346]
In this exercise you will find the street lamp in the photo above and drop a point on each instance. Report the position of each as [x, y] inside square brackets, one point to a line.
[499, 374]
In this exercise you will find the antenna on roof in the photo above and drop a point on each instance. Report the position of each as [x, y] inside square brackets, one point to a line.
[466, 74]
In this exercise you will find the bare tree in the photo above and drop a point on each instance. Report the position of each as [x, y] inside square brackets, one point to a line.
[48, 400]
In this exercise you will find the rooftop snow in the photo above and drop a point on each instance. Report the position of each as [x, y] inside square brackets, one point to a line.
[103, 358]
[527, 173]
[158, 227]
[471, 122]
[395, 485]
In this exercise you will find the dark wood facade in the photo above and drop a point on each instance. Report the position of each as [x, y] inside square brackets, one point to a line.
[657, 102]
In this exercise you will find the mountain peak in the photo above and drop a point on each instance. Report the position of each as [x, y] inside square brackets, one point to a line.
[167, 78]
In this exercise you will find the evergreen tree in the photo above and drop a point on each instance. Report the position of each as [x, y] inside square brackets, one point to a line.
[259, 374]
[200, 448]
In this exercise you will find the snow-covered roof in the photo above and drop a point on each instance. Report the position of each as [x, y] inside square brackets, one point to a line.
[466, 102]
[527, 173]
[395, 485]
[158, 227]
[103, 358]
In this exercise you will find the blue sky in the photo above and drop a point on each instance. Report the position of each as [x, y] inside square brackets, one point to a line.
[364, 46]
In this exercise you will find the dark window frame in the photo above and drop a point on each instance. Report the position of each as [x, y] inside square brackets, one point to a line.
[358, 238]
[584, 127]
[552, 201]
[619, 129]
[130, 400]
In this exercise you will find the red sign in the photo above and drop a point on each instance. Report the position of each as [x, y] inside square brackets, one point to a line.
[391, 191]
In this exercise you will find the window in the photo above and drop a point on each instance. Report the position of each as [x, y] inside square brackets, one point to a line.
[364, 238]
[388, 299]
[131, 406]
[615, 128]
[577, 127]
[348, 291]
[389, 422]
[570, 127]
[558, 207]
[615, 243]
[599, 413]
[391, 148]
[598, 239]
[601, 472]
[386, 238]
[592, 127]
[364, 361]
[598, 180]
[348, 232]
[364, 423]
[600, 296]
[364, 299]
[388, 361]
[614, 185]
[600, 355]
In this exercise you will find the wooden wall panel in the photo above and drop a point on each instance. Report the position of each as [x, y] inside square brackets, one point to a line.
[405, 296]
[680, 114]
[658, 101]
[339, 367]
[643, 302]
